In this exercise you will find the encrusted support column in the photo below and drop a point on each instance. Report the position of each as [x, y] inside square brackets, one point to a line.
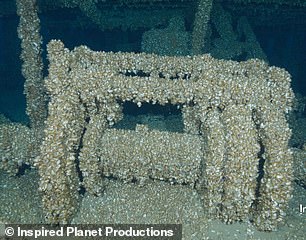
[213, 130]
[59, 180]
[275, 188]
[56, 164]
[200, 26]
[241, 165]
[90, 165]
[32, 66]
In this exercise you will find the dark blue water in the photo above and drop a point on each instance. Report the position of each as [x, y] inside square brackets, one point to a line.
[284, 45]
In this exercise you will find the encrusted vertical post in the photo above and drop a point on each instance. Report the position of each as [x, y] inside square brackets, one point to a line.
[275, 188]
[213, 130]
[56, 164]
[59, 179]
[32, 66]
[241, 165]
[90, 165]
[200, 26]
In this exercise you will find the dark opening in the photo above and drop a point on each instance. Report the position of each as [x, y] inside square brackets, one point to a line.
[22, 169]
[159, 117]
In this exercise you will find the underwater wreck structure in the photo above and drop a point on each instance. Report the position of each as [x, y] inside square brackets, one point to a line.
[235, 108]
[234, 148]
